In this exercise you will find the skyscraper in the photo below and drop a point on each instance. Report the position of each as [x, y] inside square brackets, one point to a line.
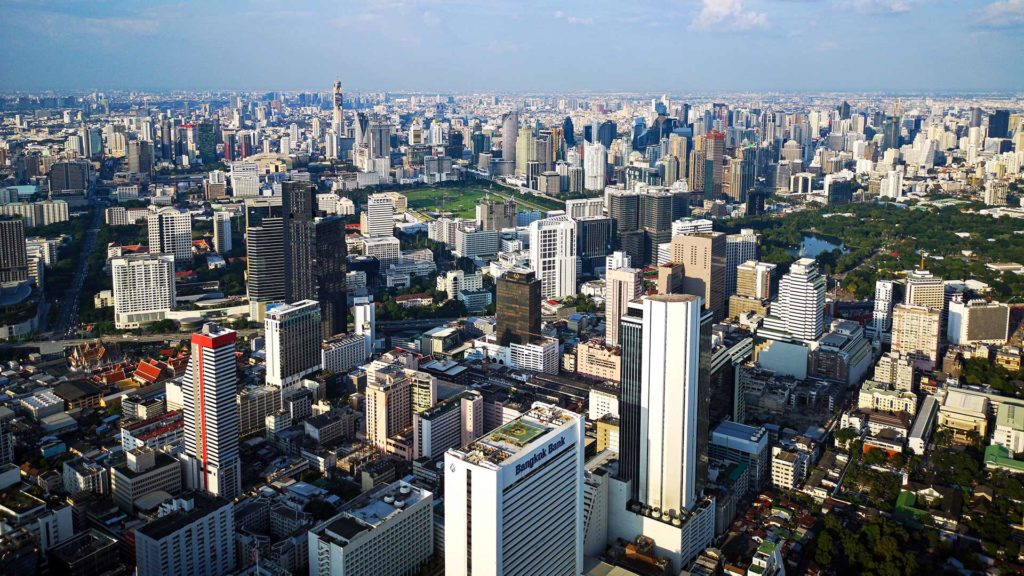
[194, 536]
[337, 103]
[298, 234]
[331, 266]
[211, 414]
[799, 311]
[222, 231]
[672, 451]
[494, 214]
[595, 166]
[509, 133]
[379, 217]
[514, 498]
[13, 256]
[143, 288]
[517, 308]
[293, 336]
[703, 257]
[739, 248]
[881, 317]
[714, 153]
[622, 286]
[170, 232]
[553, 255]
[265, 255]
[665, 427]
[917, 332]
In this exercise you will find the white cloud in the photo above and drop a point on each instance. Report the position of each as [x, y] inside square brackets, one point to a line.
[573, 20]
[496, 47]
[431, 19]
[728, 15]
[1002, 14]
[878, 6]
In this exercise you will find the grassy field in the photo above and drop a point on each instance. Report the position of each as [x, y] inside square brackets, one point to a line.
[461, 201]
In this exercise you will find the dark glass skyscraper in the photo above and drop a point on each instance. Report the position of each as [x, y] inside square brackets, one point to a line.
[299, 232]
[999, 124]
[518, 308]
[331, 261]
[631, 339]
[568, 132]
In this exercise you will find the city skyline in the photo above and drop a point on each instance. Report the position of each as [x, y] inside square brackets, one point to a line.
[724, 45]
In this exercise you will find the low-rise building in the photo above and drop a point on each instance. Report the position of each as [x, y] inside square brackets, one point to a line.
[144, 471]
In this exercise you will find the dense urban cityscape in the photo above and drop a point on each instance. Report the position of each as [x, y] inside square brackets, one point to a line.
[397, 332]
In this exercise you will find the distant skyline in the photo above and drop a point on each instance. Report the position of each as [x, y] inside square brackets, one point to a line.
[516, 46]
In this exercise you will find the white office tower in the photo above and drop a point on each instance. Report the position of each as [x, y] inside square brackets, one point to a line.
[799, 311]
[617, 259]
[211, 414]
[977, 322]
[385, 532]
[245, 179]
[364, 315]
[666, 430]
[881, 317]
[337, 117]
[622, 285]
[193, 536]
[553, 255]
[669, 386]
[222, 232]
[143, 288]
[691, 226]
[170, 232]
[925, 289]
[595, 166]
[892, 185]
[514, 498]
[379, 217]
[739, 248]
[293, 336]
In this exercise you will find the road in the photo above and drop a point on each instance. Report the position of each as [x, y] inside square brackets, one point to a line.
[67, 318]
[50, 346]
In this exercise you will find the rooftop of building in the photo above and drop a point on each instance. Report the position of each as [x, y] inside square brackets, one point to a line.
[506, 441]
[959, 401]
[164, 526]
[1010, 416]
[370, 510]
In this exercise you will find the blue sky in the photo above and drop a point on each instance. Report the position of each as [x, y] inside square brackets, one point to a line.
[515, 45]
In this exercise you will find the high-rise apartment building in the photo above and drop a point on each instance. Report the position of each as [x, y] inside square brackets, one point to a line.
[297, 205]
[170, 232]
[389, 399]
[739, 248]
[595, 166]
[211, 414]
[924, 289]
[799, 310]
[143, 288]
[13, 256]
[514, 498]
[622, 286]
[916, 331]
[194, 538]
[222, 231]
[331, 265]
[293, 336]
[703, 258]
[245, 179]
[881, 316]
[494, 214]
[517, 308]
[553, 255]
[378, 219]
[385, 531]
